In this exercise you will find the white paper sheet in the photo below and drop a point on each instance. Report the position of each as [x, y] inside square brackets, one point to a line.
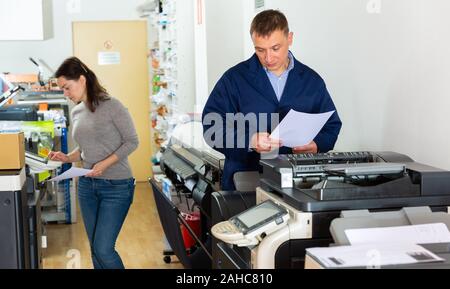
[71, 173]
[414, 234]
[299, 128]
[372, 255]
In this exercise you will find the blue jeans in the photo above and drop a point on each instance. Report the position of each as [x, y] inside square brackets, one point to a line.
[104, 205]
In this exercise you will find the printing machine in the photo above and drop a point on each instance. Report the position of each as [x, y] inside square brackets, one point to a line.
[21, 228]
[314, 189]
[37, 237]
[19, 113]
[14, 230]
[195, 171]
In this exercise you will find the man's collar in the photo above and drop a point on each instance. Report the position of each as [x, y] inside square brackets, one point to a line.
[291, 61]
[290, 64]
[255, 64]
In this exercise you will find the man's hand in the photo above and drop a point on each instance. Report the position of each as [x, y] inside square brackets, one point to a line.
[262, 143]
[98, 169]
[309, 148]
[59, 157]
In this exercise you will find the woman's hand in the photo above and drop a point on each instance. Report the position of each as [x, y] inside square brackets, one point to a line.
[98, 169]
[59, 156]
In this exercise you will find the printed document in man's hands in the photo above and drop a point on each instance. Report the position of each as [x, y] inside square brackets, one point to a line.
[299, 128]
[72, 173]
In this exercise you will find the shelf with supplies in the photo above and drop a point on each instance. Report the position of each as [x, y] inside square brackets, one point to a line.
[164, 112]
[163, 75]
[52, 97]
[43, 116]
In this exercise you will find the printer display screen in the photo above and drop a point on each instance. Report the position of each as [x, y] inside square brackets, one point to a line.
[260, 215]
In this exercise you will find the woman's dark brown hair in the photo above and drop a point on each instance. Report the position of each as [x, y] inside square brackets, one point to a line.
[72, 69]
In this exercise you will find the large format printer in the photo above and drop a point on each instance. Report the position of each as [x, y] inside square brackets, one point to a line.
[192, 166]
[194, 170]
[308, 191]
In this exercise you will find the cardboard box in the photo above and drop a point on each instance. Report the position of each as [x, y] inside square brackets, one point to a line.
[12, 151]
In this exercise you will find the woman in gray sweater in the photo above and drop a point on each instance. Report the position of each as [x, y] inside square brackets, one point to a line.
[104, 132]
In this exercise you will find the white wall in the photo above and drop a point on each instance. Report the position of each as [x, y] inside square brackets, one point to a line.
[185, 56]
[388, 73]
[224, 35]
[14, 54]
[201, 59]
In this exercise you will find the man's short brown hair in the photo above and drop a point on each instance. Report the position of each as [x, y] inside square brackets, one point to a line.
[268, 21]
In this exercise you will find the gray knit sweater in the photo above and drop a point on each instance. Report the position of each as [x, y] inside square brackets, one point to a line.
[108, 130]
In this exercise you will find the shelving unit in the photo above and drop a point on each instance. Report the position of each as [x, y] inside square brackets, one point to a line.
[59, 199]
[164, 74]
[165, 111]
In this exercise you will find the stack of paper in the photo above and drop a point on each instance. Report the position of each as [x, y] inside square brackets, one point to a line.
[376, 247]
[372, 255]
[413, 234]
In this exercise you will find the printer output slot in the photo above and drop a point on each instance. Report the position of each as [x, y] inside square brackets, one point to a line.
[381, 187]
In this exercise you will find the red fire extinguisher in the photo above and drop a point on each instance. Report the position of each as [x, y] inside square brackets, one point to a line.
[193, 220]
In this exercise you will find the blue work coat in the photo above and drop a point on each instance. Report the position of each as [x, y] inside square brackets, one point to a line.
[245, 88]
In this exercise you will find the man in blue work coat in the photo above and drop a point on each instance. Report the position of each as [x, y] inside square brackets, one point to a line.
[257, 91]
